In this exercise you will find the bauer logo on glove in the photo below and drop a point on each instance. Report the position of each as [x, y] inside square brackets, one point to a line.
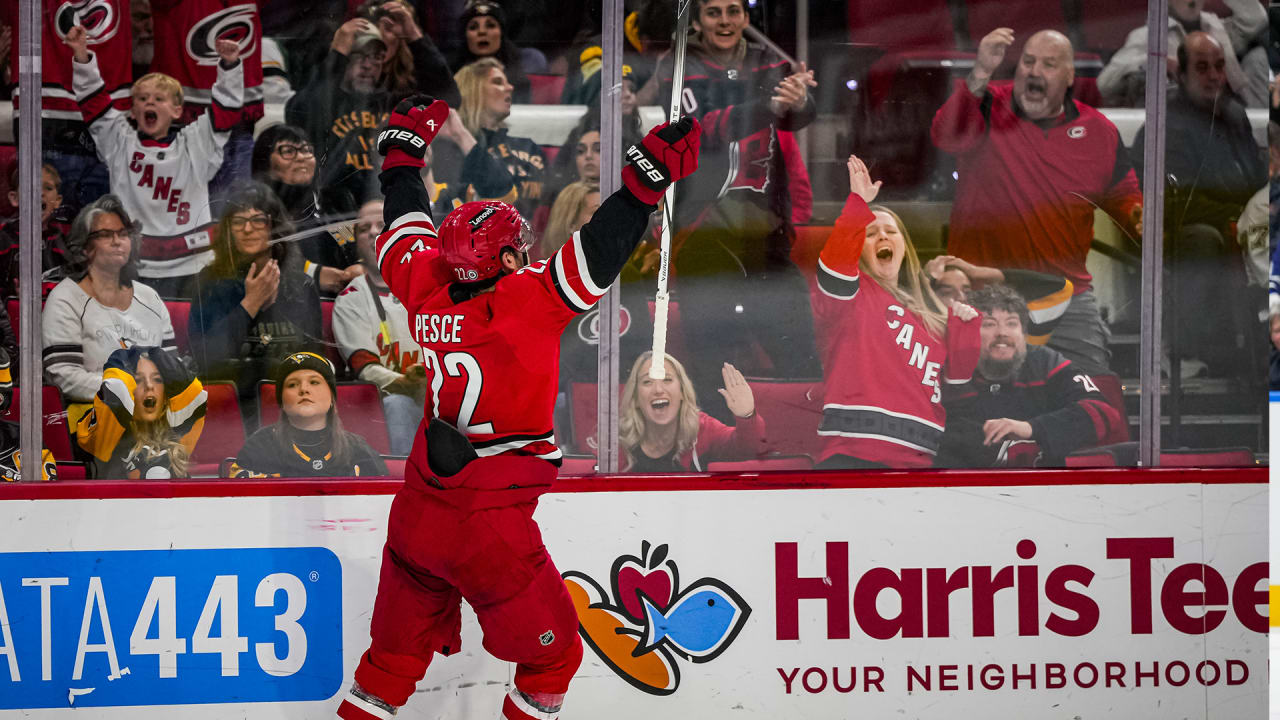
[668, 153]
[404, 135]
[656, 176]
[410, 129]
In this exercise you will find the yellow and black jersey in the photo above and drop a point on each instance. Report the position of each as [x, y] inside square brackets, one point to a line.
[106, 431]
[11, 456]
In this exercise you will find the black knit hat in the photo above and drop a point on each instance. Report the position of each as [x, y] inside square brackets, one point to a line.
[476, 8]
[305, 361]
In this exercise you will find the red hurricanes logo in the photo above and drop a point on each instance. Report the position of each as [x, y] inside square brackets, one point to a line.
[238, 23]
[589, 326]
[99, 18]
[749, 162]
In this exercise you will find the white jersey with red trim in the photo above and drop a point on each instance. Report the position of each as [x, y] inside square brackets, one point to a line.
[374, 356]
[186, 35]
[109, 35]
[493, 361]
[885, 369]
[164, 184]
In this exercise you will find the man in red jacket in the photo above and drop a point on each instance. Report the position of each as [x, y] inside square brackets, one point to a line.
[1033, 165]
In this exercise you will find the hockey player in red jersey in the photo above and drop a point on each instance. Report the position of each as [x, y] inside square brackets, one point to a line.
[489, 325]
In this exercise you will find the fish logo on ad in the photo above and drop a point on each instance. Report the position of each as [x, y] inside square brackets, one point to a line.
[650, 621]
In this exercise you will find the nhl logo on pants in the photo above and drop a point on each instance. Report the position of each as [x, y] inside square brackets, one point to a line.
[547, 638]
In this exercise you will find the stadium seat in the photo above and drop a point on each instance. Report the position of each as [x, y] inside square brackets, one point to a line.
[179, 312]
[8, 157]
[578, 464]
[395, 465]
[1213, 457]
[223, 430]
[1105, 24]
[1025, 18]
[72, 470]
[892, 24]
[359, 406]
[546, 89]
[331, 349]
[1115, 455]
[582, 416]
[56, 434]
[792, 410]
[789, 462]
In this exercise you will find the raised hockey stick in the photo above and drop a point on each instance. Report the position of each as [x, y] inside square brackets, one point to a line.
[657, 364]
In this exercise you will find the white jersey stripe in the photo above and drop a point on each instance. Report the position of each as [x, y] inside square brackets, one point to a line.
[116, 387]
[523, 706]
[368, 707]
[514, 445]
[883, 438]
[406, 226]
[570, 292]
[840, 276]
[177, 418]
[584, 271]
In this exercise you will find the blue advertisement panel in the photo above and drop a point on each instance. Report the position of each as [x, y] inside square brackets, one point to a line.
[162, 627]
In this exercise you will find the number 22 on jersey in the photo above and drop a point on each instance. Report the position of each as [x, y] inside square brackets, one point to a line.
[458, 365]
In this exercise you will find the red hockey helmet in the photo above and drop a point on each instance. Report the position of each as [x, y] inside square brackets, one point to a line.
[473, 236]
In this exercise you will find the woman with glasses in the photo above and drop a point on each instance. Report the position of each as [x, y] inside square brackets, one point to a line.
[252, 309]
[100, 307]
[285, 161]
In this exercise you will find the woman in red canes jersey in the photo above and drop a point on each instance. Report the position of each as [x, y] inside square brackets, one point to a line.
[889, 344]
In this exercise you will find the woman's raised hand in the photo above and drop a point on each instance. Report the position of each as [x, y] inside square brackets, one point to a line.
[860, 180]
[737, 393]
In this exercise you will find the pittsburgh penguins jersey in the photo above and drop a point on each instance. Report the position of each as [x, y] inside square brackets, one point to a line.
[186, 35]
[164, 183]
[106, 432]
[885, 368]
[376, 351]
[110, 37]
[492, 359]
[11, 436]
[11, 456]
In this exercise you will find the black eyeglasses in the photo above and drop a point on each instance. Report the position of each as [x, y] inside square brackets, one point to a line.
[259, 222]
[122, 233]
[288, 152]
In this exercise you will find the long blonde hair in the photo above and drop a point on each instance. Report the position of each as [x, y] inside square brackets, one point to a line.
[471, 79]
[631, 422]
[913, 290]
[157, 435]
[564, 215]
